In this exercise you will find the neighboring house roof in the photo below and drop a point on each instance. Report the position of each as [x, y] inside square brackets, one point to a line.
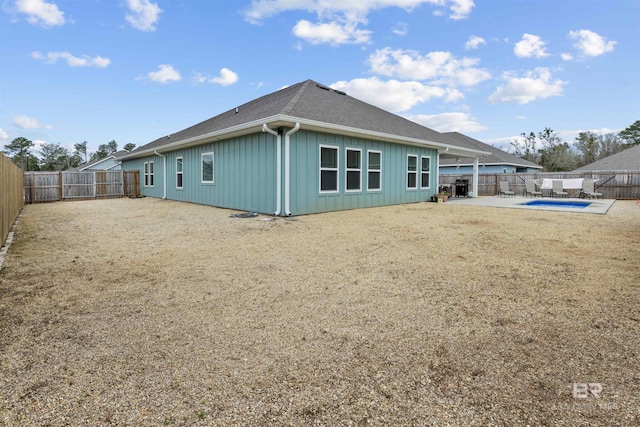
[115, 156]
[315, 107]
[497, 156]
[626, 160]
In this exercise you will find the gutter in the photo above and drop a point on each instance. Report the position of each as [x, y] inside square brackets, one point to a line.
[164, 174]
[265, 128]
[287, 120]
[287, 183]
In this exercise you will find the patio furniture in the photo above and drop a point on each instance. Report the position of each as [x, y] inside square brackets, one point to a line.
[530, 188]
[504, 189]
[588, 189]
[557, 189]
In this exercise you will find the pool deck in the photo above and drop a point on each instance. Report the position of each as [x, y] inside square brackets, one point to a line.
[597, 206]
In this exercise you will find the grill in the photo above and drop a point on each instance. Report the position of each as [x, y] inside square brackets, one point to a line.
[462, 187]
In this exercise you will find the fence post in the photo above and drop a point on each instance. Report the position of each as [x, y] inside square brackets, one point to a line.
[60, 185]
[32, 189]
[125, 190]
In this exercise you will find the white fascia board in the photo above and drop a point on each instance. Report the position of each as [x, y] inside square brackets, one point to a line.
[347, 130]
[280, 119]
[207, 137]
[96, 163]
[492, 164]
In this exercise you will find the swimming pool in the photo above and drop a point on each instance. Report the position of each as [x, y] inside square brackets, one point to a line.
[576, 204]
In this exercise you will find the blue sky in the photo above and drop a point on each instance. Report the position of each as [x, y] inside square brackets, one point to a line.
[134, 70]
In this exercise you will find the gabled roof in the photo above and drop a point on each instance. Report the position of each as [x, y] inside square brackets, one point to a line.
[315, 107]
[114, 156]
[497, 156]
[626, 160]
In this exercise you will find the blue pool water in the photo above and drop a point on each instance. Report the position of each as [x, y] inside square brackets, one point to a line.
[558, 203]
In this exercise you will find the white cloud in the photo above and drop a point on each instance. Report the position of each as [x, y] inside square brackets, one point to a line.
[72, 61]
[449, 122]
[461, 9]
[440, 67]
[260, 10]
[37, 145]
[332, 33]
[536, 84]
[568, 136]
[41, 13]
[394, 95]
[26, 122]
[165, 74]
[566, 56]
[338, 20]
[226, 78]
[4, 137]
[590, 43]
[530, 45]
[144, 14]
[401, 29]
[474, 42]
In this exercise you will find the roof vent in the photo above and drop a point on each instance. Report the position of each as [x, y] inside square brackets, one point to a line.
[169, 136]
[236, 110]
[340, 92]
[322, 87]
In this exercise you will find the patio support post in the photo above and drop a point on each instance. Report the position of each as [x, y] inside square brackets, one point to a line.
[475, 177]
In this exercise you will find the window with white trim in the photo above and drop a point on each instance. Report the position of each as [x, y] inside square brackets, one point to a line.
[374, 170]
[179, 172]
[425, 172]
[148, 174]
[207, 168]
[328, 169]
[353, 181]
[412, 171]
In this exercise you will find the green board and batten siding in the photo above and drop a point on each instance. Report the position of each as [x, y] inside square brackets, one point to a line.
[244, 171]
[305, 174]
[245, 174]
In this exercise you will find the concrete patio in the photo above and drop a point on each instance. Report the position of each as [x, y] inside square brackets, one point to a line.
[597, 206]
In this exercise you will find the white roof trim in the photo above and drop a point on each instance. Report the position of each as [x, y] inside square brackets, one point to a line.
[448, 165]
[256, 125]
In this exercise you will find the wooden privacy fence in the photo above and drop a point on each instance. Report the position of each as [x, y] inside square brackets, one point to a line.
[612, 184]
[40, 187]
[11, 195]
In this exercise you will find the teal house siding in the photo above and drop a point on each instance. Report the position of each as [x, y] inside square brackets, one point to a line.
[305, 174]
[243, 174]
[267, 156]
[156, 189]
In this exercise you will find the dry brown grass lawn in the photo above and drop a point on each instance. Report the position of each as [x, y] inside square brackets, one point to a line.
[147, 312]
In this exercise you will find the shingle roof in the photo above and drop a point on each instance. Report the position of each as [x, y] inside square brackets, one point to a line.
[497, 155]
[627, 160]
[306, 100]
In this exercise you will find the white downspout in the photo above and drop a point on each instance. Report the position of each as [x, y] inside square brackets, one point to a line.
[287, 143]
[265, 128]
[164, 173]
